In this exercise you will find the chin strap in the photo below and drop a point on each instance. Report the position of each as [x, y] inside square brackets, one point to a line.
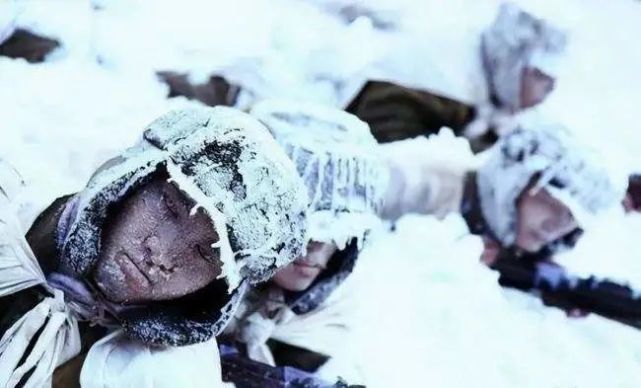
[86, 302]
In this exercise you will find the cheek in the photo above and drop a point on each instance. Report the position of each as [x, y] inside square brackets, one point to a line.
[531, 217]
[524, 216]
[132, 225]
[535, 90]
[560, 226]
[541, 90]
[284, 275]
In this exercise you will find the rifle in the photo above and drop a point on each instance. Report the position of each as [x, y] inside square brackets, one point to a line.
[247, 373]
[561, 289]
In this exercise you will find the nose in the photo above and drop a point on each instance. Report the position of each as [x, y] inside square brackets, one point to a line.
[154, 252]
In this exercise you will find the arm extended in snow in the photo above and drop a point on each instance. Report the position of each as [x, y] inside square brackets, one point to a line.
[561, 289]
[246, 373]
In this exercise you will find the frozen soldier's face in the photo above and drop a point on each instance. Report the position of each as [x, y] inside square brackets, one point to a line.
[535, 87]
[541, 219]
[300, 274]
[153, 249]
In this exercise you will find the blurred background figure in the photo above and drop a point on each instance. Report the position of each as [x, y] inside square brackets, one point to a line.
[519, 57]
[534, 190]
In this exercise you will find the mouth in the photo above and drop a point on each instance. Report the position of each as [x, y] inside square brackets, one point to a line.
[307, 271]
[131, 269]
[308, 264]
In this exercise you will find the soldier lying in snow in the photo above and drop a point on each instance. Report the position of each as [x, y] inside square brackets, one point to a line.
[535, 191]
[302, 318]
[518, 65]
[147, 263]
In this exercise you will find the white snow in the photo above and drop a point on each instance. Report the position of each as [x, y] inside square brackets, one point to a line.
[434, 316]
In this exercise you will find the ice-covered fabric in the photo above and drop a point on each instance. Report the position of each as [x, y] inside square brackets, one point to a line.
[335, 154]
[517, 40]
[229, 165]
[117, 361]
[569, 170]
[326, 330]
[50, 326]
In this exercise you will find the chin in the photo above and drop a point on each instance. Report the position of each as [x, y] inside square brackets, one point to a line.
[294, 285]
[115, 297]
[530, 246]
[301, 286]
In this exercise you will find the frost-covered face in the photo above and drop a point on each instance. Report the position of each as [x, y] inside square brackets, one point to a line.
[541, 220]
[535, 87]
[300, 274]
[153, 249]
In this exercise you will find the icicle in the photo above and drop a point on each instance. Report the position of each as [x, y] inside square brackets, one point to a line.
[230, 270]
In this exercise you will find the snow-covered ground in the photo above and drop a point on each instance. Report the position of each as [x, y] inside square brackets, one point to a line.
[433, 316]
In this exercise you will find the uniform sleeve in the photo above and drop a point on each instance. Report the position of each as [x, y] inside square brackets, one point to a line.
[14, 306]
[394, 112]
[426, 175]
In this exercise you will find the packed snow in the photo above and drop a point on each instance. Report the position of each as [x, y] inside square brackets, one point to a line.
[432, 316]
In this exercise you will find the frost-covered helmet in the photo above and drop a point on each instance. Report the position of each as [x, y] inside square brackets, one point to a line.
[336, 156]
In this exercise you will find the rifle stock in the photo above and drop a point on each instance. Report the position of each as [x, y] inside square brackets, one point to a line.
[247, 373]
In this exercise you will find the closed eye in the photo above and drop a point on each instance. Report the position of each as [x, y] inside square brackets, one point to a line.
[207, 253]
[170, 204]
